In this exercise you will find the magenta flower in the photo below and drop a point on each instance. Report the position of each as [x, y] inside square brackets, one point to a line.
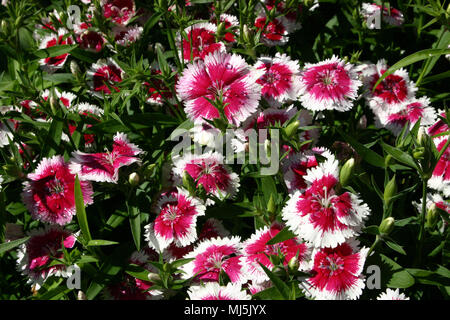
[200, 42]
[331, 84]
[320, 215]
[214, 291]
[337, 273]
[103, 75]
[49, 192]
[209, 171]
[51, 64]
[280, 80]
[176, 221]
[219, 76]
[255, 251]
[91, 41]
[44, 245]
[104, 167]
[213, 256]
[274, 32]
[120, 11]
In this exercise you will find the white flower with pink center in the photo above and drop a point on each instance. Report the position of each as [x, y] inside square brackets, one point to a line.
[104, 167]
[395, 90]
[255, 250]
[220, 77]
[319, 214]
[331, 84]
[103, 75]
[274, 32]
[205, 134]
[49, 192]
[410, 112]
[125, 36]
[297, 165]
[120, 11]
[213, 256]
[176, 221]
[51, 64]
[44, 245]
[231, 24]
[214, 291]
[200, 42]
[280, 80]
[66, 98]
[337, 272]
[209, 171]
[390, 294]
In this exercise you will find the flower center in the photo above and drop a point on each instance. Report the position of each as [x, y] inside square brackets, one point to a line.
[326, 199]
[333, 264]
[171, 213]
[215, 261]
[55, 187]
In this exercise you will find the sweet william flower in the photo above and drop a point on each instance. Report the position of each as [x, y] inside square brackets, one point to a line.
[103, 75]
[390, 294]
[319, 214]
[220, 76]
[104, 167]
[51, 64]
[331, 84]
[120, 11]
[214, 291]
[176, 221]
[49, 192]
[214, 256]
[337, 272]
[41, 248]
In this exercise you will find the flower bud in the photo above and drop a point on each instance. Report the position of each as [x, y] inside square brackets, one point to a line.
[271, 207]
[388, 160]
[293, 264]
[81, 295]
[432, 216]
[246, 34]
[292, 128]
[390, 190]
[148, 171]
[418, 153]
[221, 30]
[387, 225]
[346, 173]
[74, 68]
[133, 179]
[153, 277]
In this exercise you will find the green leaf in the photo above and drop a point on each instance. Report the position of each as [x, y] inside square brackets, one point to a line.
[137, 272]
[418, 56]
[81, 211]
[135, 224]
[399, 155]
[401, 279]
[372, 230]
[396, 247]
[12, 244]
[53, 138]
[100, 242]
[279, 284]
[283, 235]
[54, 51]
[178, 263]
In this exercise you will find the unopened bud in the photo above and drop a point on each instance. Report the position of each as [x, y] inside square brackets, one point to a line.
[387, 225]
[418, 153]
[81, 295]
[292, 128]
[421, 136]
[148, 171]
[432, 216]
[293, 264]
[390, 190]
[346, 173]
[271, 208]
[246, 34]
[153, 277]
[74, 68]
[221, 29]
[133, 179]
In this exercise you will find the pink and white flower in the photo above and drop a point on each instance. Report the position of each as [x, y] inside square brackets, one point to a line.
[390, 294]
[213, 256]
[91, 40]
[214, 291]
[410, 112]
[104, 167]
[43, 246]
[209, 171]
[51, 64]
[395, 90]
[231, 24]
[275, 32]
[331, 84]
[49, 192]
[200, 42]
[66, 98]
[319, 214]
[280, 81]
[104, 74]
[337, 273]
[205, 134]
[296, 166]
[176, 221]
[255, 251]
[223, 76]
[124, 36]
[120, 11]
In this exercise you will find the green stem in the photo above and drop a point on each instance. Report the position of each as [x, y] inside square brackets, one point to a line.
[375, 243]
[422, 222]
